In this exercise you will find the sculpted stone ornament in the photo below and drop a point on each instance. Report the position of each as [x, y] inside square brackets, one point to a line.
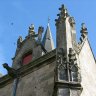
[40, 31]
[63, 13]
[73, 66]
[61, 65]
[72, 21]
[31, 30]
[83, 32]
[32, 33]
[62, 16]
[19, 41]
[12, 72]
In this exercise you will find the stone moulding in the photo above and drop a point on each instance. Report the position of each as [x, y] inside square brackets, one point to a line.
[71, 85]
[32, 66]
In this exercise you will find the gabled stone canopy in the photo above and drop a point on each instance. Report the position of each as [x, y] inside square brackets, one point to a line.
[30, 45]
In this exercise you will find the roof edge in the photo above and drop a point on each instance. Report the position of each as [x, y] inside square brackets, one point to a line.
[26, 69]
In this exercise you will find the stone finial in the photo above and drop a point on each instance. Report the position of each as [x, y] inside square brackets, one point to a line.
[63, 11]
[83, 32]
[84, 29]
[62, 15]
[31, 30]
[72, 21]
[40, 31]
[19, 41]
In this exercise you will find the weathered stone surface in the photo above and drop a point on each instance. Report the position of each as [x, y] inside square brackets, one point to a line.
[63, 92]
[37, 83]
[75, 92]
[28, 45]
[88, 70]
[7, 90]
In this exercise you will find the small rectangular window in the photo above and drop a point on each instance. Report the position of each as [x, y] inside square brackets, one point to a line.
[27, 59]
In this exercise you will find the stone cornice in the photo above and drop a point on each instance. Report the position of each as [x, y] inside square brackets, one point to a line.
[32, 66]
[72, 85]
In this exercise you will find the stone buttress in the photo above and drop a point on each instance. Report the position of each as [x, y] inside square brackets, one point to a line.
[67, 77]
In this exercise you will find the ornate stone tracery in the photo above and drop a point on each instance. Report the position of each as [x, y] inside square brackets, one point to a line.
[68, 70]
[73, 66]
[61, 65]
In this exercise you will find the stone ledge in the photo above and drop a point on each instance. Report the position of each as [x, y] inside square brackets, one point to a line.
[26, 69]
[71, 85]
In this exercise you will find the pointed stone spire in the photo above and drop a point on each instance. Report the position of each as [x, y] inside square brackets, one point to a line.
[47, 39]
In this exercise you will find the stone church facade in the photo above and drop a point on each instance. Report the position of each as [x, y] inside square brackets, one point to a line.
[40, 70]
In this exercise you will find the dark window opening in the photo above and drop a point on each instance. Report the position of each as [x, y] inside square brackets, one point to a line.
[27, 58]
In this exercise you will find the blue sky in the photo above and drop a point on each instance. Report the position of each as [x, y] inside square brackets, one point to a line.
[17, 15]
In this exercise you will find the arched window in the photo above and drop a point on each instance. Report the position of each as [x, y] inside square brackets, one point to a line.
[27, 58]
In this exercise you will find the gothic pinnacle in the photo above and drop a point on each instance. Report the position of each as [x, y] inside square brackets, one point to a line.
[63, 11]
[62, 15]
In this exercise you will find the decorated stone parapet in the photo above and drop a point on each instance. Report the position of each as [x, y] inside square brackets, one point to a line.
[83, 32]
[32, 32]
[73, 67]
